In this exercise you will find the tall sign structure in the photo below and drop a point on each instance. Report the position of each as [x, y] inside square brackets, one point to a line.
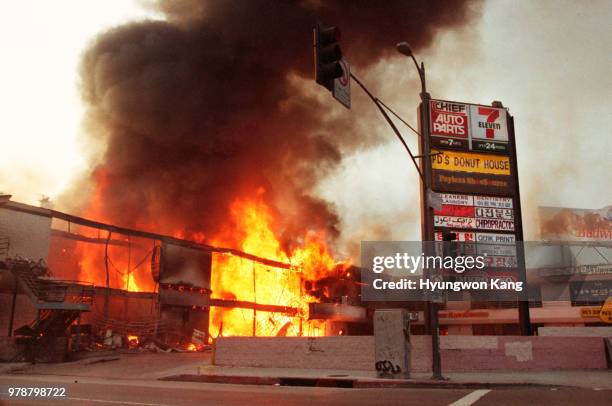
[470, 168]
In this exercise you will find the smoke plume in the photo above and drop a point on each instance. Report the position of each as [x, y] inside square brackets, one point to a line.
[197, 109]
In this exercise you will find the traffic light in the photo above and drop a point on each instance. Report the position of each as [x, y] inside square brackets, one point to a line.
[327, 54]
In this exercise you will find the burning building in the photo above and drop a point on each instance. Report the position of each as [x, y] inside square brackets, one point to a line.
[208, 138]
[205, 145]
[151, 286]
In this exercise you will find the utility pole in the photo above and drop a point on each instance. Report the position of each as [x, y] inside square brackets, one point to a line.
[427, 229]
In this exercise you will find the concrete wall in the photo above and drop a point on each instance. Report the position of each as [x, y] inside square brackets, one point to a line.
[459, 353]
[28, 233]
[575, 331]
[348, 352]
[515, 352]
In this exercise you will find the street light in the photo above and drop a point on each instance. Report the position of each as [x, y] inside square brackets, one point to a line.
[428, 234]
[404, 48]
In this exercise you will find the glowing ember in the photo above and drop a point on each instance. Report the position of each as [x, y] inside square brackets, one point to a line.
[192, 347]
[132, 341]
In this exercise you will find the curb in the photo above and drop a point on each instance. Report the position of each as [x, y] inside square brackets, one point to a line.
[349, 382]
[7, 369]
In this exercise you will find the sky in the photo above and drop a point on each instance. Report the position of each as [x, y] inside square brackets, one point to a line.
[547, 61]
[40, 104]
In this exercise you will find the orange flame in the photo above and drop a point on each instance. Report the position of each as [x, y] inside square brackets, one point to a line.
[232, 278]
[239, 279]
[128, 268]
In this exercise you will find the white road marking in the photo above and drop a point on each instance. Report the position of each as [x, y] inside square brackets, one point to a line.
[471, 398]
[118, 402]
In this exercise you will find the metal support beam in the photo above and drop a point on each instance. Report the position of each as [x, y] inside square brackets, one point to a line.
[14, 302]
[240, 304]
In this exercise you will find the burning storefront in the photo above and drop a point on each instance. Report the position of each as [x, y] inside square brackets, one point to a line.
[151, 286]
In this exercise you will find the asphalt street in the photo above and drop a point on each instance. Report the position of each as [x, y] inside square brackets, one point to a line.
[97, 391]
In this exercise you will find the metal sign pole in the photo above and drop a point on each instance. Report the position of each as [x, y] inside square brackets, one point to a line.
[523, 303]
[427, 231]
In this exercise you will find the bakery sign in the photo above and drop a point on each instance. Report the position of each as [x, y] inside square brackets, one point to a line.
[468, 127]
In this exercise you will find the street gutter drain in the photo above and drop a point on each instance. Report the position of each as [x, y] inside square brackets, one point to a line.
[319, 382]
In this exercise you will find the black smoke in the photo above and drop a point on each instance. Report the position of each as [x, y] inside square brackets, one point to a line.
[196, 110]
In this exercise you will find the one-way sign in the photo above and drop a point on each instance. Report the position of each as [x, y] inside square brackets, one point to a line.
[342, 85]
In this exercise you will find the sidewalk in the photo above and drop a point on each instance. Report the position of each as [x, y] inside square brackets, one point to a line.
[601, 379]
[196, 367]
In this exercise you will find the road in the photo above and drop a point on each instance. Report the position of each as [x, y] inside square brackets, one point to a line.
[98, 391]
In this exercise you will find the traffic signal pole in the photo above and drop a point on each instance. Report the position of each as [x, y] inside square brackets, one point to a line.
[327, 56]
[427, 231]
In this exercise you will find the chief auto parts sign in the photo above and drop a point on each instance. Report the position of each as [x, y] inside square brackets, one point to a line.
[466, 127]
[449, 124]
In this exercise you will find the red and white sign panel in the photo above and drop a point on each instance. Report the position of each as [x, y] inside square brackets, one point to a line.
[488, 123]
[449, 124]
[479, 207]
[471, 211]
[449, 119]
[454, 210]
[462, 236]
[463, 126]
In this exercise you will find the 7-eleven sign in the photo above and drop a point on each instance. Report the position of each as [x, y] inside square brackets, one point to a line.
[488, 123]
[488, 129]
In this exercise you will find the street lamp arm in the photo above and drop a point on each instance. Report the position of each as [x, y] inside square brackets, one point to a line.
[400, 118]
[421, 70]
[390, 122]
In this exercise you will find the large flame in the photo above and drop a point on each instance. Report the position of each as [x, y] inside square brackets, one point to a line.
[240, 279]
[126, 260]
[250, 229]
[127, 263]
